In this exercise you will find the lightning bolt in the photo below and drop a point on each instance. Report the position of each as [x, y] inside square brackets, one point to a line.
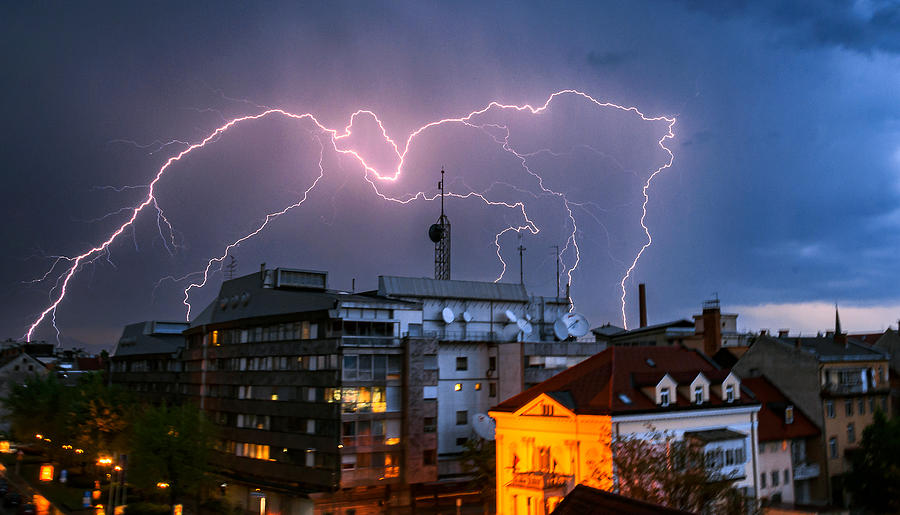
[335, 138]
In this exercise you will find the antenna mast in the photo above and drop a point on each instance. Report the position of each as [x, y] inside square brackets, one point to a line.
[439, 233]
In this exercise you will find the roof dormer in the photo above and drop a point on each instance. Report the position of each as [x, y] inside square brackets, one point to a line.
[700, 389]
[731, 388]
[665, 391]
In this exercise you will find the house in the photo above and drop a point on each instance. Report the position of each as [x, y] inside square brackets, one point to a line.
[836, 381]
[559, 433]
[785, 433]
[16, 368]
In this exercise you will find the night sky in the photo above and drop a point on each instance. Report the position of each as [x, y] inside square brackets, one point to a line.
[783, 198]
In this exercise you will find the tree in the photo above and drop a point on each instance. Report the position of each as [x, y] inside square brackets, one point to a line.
[874, 480]
[171, 445]
[479, 458]
[661, 469]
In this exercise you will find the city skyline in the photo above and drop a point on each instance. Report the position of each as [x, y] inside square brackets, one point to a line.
[781, 198]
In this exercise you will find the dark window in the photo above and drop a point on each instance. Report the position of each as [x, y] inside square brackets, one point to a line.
[832, 447]
[429, 457]
[462, 418]
[492, 363]
[774, 478]
[430, 362]
[851, 433]
[762, 480]
[787, 477]
[430, 424]
[829, 408]
[848, 407]
[462, 363]
[884, 405]
[861, 406]
[461, 441]
[871, 404]
[492, 390]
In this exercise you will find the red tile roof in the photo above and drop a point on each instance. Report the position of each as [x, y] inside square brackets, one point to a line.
[772, 425]
[594, 386]
[868, 339]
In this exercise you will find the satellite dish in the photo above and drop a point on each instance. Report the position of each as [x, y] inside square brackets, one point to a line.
[525, 326]
[435, 232]
[467, 316]
[560, 329]
[576, 324]
[510, 315]
[510, 332]
[484, 426]
[447, 315]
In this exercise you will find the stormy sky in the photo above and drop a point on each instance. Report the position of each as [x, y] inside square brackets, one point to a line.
[783, 197]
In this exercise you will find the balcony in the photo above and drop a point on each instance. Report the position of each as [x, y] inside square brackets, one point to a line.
[541, 481]
[806, 471]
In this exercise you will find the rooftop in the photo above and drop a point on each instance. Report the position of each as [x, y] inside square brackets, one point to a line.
[825, 348]
[422, 287]
[151, 337]
[772, 424]
[611, 382]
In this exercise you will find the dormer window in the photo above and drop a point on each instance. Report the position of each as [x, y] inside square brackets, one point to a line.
[664, 397]
[729, 393]
[698, 394]
[789, 415]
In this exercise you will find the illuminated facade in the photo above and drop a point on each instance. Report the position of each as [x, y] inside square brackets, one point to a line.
[558, 434]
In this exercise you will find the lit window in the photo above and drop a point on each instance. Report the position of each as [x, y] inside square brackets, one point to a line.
[789, 415]
[457, 386]
[214, 337]
[477, 386]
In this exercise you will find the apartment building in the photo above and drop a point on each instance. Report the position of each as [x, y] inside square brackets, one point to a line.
[558, 433]
[147, 360]
[836, 381]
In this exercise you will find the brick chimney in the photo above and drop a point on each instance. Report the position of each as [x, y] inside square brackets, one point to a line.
[712, 327]
[642, 300]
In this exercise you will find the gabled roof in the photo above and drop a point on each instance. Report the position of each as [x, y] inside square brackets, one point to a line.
[596, 385]
[867, 338]
[825, 348]
[772, 424]
[423, 287]
[584, 500]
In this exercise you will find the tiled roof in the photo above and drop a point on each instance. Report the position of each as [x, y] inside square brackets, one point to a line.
[598, 384]
[827, 349]
[771, 414]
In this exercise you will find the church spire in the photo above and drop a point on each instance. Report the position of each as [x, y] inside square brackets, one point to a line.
[837, 321]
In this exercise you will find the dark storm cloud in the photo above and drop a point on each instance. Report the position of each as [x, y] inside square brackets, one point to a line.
[859, 26]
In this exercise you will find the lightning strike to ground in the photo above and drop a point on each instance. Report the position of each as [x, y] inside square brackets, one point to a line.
[373, 176]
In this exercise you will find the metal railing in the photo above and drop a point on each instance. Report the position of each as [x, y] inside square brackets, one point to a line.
[540, 480]
[806, 471]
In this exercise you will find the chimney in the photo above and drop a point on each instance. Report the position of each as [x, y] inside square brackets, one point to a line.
[642, 300]
[782, 333]
[764, 332]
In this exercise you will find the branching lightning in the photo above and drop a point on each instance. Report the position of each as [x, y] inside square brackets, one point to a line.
[335, 138]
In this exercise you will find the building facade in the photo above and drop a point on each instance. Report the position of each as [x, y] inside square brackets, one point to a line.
[147, 360]
[559, 433]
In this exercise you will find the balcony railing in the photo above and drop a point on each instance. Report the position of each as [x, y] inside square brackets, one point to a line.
[540, 480]
[806, 471]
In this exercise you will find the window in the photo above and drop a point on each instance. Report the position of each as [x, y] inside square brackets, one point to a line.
[462, 363]
[430, 424]
[462, 418]
[787, 477]
[664, 397]
[461, 441]
[492, 363]
[832, 447]
[698, 394]
[861, 406]
[477, 386]
[884, 404]
[762, 480]
[729, 393]
[429, 457]
[848, 407]
[430, 362]
[547, 410]
[871, 404]
[789, 415]
[429, 392]
[774, 478]
[851, 433]
[829, 408]
[492, 389]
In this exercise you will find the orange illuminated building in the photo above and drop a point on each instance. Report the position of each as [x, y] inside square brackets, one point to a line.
[558, 433]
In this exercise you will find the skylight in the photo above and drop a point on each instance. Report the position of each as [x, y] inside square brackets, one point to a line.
[624, 398]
